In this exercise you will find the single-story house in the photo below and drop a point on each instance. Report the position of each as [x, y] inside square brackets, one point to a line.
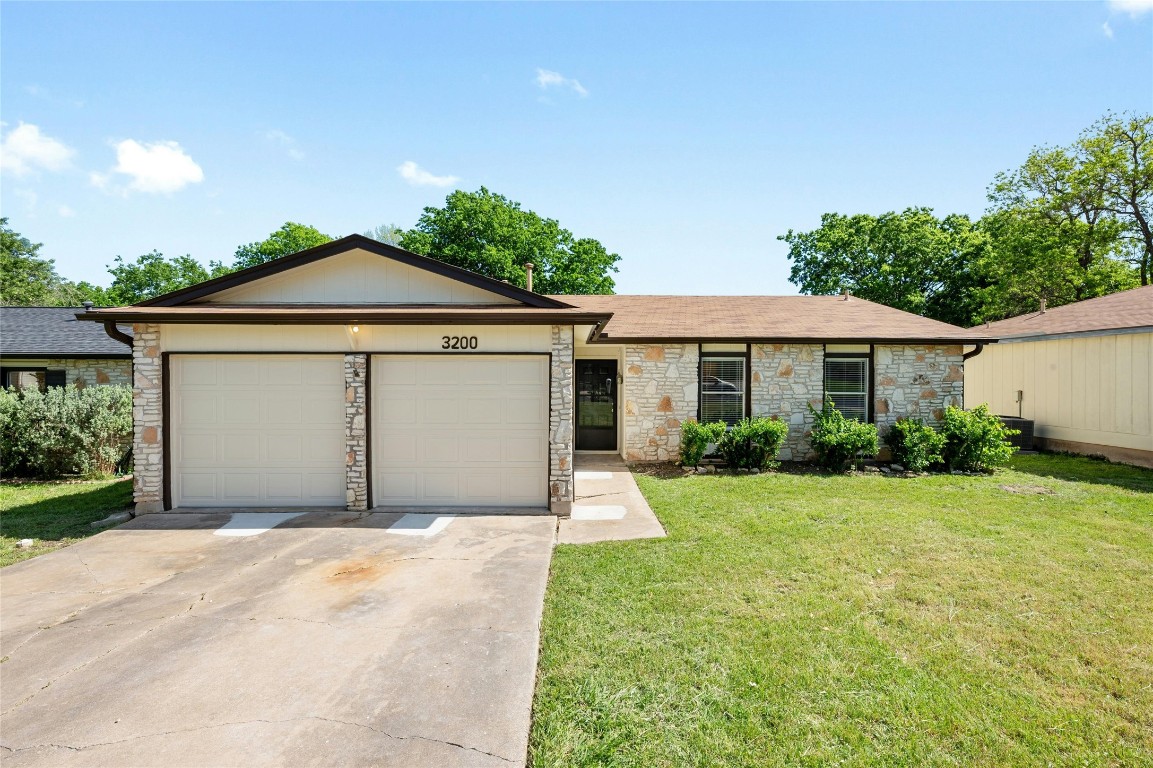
[360, 375]
[1082, 372]
[43, 347]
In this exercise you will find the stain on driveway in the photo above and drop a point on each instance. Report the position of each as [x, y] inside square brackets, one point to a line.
[323, 641]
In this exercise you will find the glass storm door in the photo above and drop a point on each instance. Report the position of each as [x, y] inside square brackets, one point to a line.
[596, 405]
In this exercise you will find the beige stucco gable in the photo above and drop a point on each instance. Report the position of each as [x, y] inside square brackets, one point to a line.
[356, 277]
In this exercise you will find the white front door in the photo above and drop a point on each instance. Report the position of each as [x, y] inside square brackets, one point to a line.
[257, 430]
[469, 430]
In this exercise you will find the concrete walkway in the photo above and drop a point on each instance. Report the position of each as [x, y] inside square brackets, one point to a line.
[259, 639]
[608, 506]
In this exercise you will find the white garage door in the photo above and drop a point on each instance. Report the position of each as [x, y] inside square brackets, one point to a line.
[257, 431]
[460, 431]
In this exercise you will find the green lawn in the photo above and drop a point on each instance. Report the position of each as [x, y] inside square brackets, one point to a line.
[55, 514]
[860, 620]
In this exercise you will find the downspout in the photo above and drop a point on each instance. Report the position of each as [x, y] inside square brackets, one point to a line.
[111, 329]
[974, 352]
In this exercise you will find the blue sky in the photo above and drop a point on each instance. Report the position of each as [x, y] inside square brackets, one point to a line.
[685, 137]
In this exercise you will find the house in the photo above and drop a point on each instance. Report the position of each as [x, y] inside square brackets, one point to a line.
[360, 375]
[1082, 372]
[45, 347]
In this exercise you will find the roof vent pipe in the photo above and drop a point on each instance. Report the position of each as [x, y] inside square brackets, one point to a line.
[1042, 305]
[845, 293]
[88, 305]
[528, 276]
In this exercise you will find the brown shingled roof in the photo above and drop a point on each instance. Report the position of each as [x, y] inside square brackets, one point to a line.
[749, 318]
[1117, 311]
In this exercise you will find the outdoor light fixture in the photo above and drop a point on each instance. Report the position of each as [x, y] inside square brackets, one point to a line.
[356, 329]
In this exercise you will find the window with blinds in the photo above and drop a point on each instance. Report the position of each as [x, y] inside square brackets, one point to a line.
[847, 385]
[722, 389]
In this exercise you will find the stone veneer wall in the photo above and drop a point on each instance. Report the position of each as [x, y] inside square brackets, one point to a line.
[147, 419]
[83, 372]
[561, 421]
[356, 431]
[660, 391]
[787, 378]
[916, 380]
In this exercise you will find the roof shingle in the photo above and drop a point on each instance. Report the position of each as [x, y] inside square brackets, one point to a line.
[1117, 311]
[741, 318]
[55, 332]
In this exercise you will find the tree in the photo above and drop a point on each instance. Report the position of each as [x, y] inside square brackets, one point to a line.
[389, 234]
[26, 280]
[490, 234]
[152, 275]
[290, 238]
[910, 260]
[1118, 155]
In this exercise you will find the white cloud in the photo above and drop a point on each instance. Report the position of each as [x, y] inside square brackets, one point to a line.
[24, 150]
[161, 167]
[546, 78]
[1134, 8]
[65, 212]
[1108, 30]
[286, 142]
[419, 177]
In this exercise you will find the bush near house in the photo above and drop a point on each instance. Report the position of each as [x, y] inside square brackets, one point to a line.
[696, 438]
[976, 440]
[840, 442]
[752, 443]
[64, 431]
[915, 445]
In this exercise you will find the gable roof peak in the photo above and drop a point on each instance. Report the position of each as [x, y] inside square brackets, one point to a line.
[345, 245]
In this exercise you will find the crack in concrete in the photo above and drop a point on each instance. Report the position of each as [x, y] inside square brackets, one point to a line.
[92, 575]
[267, 722]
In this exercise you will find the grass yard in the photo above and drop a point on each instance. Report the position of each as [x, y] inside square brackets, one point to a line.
[860, 620]
[55, 514]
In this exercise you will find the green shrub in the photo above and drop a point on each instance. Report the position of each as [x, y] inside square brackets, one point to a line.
[695, 440]
[838, 441]
[752, 443]
[976, 440]
[64, 431]
[915, 445]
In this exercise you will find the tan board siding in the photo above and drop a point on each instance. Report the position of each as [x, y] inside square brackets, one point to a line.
[1094, 389]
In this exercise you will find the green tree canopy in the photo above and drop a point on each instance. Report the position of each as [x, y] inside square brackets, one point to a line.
[27, 280]
[151, 275]
[389, 234]
[290, 238]
[910, 260]
[490, 234]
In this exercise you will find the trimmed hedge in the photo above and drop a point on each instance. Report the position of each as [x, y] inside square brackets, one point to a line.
[753, 443]
[915, 445]
[696, 438]
[976, 440]
[64, 431]
[840, 442]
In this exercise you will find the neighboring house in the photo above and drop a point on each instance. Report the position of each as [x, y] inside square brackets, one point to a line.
[358, 375]
[1082, 372]
[43, 347]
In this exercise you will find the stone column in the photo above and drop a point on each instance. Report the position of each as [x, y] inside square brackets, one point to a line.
[787, 379]
[561, 418]
[147, 419]
[356, 431]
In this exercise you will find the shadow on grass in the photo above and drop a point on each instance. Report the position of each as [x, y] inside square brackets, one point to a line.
[52, 511]
[1083, 469]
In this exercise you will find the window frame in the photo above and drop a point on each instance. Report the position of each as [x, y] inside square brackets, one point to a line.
[746, 360]
[870, 378]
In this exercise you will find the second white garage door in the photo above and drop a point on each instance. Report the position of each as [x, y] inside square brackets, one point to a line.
[460, 431]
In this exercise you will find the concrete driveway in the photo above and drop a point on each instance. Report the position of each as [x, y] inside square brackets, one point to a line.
[328, 640]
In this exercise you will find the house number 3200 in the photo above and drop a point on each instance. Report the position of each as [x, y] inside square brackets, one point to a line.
[458, 342]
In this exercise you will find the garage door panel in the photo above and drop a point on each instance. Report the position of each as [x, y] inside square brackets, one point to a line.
[238, 372]
[241, 409]
[239, 448]
[239, 440]
[524, 486]
[441, 487]
[524, 410]
[469, 430]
